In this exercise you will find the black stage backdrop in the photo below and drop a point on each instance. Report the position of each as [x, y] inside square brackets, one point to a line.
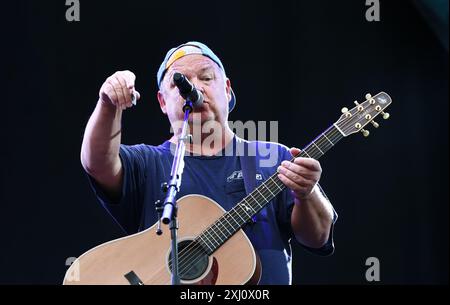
[295, 62]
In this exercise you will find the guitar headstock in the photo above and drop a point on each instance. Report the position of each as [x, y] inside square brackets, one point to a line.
[355, 119]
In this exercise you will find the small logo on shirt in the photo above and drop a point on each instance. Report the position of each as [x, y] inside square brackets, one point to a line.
[237, 175]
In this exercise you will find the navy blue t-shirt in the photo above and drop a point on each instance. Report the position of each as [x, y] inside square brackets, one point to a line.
[220, 178]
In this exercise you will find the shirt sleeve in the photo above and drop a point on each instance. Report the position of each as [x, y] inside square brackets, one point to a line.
[127, 210]
[285, 207]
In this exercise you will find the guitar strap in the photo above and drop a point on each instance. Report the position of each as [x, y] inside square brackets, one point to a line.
[247, 157]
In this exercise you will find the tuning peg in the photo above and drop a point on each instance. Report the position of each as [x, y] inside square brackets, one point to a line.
[365, 133]
[345, 111]
[360, 108]
[375, 124]
[385, 115]
[370, 99]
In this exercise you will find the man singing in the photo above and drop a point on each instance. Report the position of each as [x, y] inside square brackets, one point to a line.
[127, 179]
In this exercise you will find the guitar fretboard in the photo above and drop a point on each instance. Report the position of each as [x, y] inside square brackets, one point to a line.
[233, 220]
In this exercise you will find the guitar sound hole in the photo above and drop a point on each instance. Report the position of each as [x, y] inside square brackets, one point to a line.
[192, 260]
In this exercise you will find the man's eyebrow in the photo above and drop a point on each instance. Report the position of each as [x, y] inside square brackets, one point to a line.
[206, 68]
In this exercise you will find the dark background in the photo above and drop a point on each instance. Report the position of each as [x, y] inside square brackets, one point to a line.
[295, 62]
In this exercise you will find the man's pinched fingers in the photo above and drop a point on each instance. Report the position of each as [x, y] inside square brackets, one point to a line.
[125, 91]
[108, 90]
[129, 78]
[120, 102]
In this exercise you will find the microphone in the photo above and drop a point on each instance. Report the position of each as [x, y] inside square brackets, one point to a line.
[188, 90]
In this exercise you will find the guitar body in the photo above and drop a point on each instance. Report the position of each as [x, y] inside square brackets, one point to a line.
[147, 255]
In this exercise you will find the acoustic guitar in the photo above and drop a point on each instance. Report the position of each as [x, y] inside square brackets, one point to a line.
[213, 249]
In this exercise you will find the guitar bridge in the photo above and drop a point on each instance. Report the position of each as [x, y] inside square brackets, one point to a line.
[133, 278]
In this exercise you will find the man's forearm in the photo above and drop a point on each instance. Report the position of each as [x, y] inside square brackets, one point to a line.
[101, 142]
[311, 219]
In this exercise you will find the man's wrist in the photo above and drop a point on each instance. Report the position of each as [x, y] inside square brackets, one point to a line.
[108, 109]
[307, 198]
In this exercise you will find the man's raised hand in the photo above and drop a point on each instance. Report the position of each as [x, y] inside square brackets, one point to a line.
[118, 90]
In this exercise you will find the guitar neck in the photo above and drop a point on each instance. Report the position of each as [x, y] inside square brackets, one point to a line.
[227, 225]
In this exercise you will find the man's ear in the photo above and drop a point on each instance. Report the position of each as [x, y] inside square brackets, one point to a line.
[228, 88]
[162, 102]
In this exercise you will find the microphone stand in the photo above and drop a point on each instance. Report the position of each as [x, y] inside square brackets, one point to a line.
[169, 214]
